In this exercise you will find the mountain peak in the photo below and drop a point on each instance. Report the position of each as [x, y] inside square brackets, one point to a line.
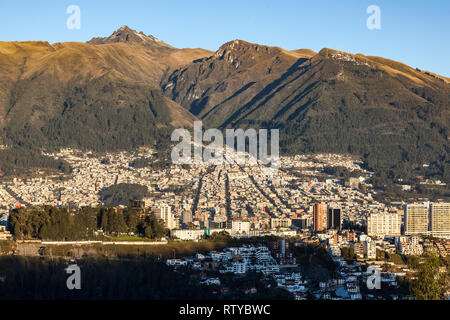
[125, 28]
[127, 35]
[238, 45]
[242, 48]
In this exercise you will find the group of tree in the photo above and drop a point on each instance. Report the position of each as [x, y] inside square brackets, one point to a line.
[315, 261]
[342, 172]
[430, 283]
[62, 224]
[19, 160]
[348, 254]
[33, 278]
[122, 193]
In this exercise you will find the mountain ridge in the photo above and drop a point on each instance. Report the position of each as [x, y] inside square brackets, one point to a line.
[331, 101]
[328, 101]
[126, 34]
[50, 93]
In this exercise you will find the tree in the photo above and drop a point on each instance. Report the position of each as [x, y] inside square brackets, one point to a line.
[131, 219]
[104, 220]
[430, 283]
[122, 193]
[157, 226]
[220, 236]
[349, 254]
[18, 232]
[148, 232]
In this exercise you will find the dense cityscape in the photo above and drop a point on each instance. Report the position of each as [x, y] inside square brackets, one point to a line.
[223, 159]
[302, 206]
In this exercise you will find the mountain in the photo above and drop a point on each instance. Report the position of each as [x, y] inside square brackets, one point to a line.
[331, 101]
[213, 88]
[131, 89]
[127, 35]
[98, 96]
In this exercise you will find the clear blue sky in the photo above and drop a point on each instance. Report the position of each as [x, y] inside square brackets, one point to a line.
[414, 32]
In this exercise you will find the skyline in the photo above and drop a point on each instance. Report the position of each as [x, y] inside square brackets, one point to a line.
[412, 33]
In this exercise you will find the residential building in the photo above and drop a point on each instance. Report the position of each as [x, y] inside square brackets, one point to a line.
[370, 250]
[240, 227]
[280, 223]
[384, 224]
[440, 220]
[320, 216]
[187, 217]
[416, 219]
[334, 218]
[167, 216]
[187, 234]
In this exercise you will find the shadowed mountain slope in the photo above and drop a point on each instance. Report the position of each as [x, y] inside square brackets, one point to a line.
[331, 101]
[131, 89]
[103, 96]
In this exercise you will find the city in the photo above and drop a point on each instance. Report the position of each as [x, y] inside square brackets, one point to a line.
[210, 159]
[301, 205]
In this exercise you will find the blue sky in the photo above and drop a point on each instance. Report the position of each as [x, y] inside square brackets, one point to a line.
[414, 32]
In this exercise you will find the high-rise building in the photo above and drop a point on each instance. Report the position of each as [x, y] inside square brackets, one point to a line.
[187, 217]
[370, 249]
[381, 224]
[440, 220]
[334, 219]
[416, 219]
[167, 216]
[303, 222]
[320, 217]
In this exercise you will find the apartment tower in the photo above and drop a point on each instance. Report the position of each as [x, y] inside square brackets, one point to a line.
[320, 217]
[416, 219]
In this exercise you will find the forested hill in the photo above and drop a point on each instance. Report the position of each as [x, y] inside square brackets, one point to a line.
[394, 116]
[130, 89]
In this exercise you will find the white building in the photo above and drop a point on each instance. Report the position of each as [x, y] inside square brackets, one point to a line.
[240, 227]
[176, 262]
[187, 234]
[382, 224]
[165, 213]
[409, 245]
[370, 249]
[235, 267]
[280, 223]
[221, 256]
